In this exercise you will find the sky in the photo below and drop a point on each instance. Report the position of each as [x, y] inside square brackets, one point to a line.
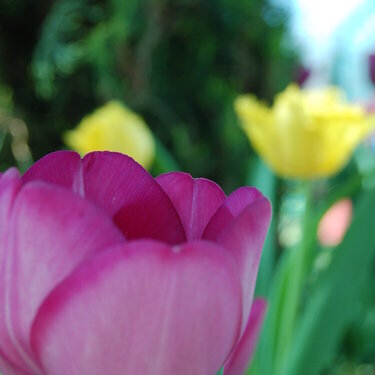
[316, 20]
[313, 27]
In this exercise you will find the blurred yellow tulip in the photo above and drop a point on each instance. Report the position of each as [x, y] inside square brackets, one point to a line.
[306, 134]
[113, 127]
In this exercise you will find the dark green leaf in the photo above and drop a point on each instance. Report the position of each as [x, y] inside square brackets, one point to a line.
[331, 306]
[266, 181]
[164, 161]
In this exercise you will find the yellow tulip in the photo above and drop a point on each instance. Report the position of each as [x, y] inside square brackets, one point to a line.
[113, 127]
[306, 134]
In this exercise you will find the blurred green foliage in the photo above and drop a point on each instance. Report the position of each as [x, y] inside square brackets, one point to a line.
[329, 329]
[178, 63]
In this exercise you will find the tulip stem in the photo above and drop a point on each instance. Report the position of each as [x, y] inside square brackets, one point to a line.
[287, 284]
[291, 279]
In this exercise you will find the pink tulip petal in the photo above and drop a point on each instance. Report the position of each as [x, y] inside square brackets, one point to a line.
[50, 232]
[60, 168]
[335, 222]
[118, 184]
[195, 200]
[140, 206]
[231, 208]
[243, 352]
[7, 368]
[10, 185]
[243, 234]
[143, 308]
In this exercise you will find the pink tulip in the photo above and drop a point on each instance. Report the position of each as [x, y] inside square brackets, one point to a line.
[371, 67]
[105, 270]
[335, 223]
[301, 75]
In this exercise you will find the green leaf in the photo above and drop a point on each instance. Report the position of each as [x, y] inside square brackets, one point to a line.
[261, 177]
[265, 180]
[2, 137]
[220, 372]
[164, 161]
[331, 305]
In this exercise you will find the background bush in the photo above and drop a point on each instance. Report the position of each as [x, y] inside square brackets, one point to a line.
[178, 63]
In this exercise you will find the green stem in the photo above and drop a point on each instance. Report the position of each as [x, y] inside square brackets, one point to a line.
[291, 281]
[287, 284]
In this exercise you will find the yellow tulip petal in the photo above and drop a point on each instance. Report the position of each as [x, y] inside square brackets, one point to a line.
[305, 134]
[113, 127]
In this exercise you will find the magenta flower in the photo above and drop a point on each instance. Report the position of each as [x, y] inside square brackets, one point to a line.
[371, 67]
[301, 75]
[105, 270]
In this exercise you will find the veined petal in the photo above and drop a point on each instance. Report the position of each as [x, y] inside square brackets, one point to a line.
[231, 208]
[195, 199]
[8, 368]
[139, 205]
[10, 185]
[50, 231]
[143, 308]
[60, 168]
[241, 225]
[243, 352]
[119, 185]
